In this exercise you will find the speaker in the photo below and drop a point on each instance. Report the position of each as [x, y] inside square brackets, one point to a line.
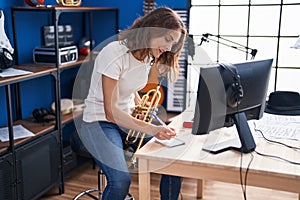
[7, 184]
[234, 92]
[38, 166]
[6, 50]
[6, 59]
[43, 115]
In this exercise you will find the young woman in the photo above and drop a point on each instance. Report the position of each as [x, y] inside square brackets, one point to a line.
[121, 69]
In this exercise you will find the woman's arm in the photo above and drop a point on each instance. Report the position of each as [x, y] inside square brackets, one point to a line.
[118, 116]
[137, 98]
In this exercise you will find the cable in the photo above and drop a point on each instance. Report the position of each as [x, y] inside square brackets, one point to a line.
[277, 157]
[273, 141]
[241, 177]
[244, 182]
[276, 142]
[244, 185]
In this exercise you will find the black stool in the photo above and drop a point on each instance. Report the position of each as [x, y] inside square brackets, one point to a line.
[99, 189]
[94, 193]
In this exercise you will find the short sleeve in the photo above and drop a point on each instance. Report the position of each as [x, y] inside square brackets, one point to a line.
[110, 60]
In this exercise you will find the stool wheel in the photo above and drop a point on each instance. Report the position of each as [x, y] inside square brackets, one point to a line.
[87, 192]
[129, 197]
[101, 180]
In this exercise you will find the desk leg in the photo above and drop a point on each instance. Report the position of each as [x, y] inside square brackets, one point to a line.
[298, 196]
[200, 185]
[144, 180]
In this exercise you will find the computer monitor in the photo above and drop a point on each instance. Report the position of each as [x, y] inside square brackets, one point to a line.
[231, 94]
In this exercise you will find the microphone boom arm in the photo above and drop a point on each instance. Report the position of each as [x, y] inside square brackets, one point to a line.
[205, 38]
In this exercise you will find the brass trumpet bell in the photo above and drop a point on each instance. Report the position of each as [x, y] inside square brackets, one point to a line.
[68, 2]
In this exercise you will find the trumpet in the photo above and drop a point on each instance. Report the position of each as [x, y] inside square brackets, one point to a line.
[147, 106]
[68, 2]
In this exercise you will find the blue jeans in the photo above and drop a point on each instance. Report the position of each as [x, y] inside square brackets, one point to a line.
[105, 142]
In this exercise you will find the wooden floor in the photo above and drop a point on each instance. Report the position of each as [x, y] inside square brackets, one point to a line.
[85, 177]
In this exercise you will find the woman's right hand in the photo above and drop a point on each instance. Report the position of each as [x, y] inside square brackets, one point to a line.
[165, 133]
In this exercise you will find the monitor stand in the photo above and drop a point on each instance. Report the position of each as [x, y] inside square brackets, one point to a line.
[233, 144]
[245, 143]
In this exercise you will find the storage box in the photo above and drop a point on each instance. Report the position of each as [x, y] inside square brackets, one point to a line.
[46, 55]
[65, 35]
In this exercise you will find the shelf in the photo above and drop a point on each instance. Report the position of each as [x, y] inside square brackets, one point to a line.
[38, 128]
[63, 8]
[39, 70]
[53, 130]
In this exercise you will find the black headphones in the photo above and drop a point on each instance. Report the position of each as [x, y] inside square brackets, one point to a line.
[43, 115]
[235, 92]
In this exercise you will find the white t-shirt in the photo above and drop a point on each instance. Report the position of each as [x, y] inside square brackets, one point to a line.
[116, 62]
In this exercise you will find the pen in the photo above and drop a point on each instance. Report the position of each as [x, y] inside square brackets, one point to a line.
[159, 120]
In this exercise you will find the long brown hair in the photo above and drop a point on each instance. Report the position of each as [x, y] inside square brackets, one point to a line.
[156, 23]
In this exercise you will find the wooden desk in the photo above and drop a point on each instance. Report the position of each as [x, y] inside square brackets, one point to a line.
[192, 162]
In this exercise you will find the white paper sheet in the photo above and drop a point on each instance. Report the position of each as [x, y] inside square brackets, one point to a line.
[173, 142]
[278, 126]
[13, 72]
[18, 130]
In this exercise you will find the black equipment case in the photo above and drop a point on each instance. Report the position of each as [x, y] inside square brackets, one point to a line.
[46, 55]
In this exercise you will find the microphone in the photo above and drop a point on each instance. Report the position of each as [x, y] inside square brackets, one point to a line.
[204, 38]
[253, 53]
